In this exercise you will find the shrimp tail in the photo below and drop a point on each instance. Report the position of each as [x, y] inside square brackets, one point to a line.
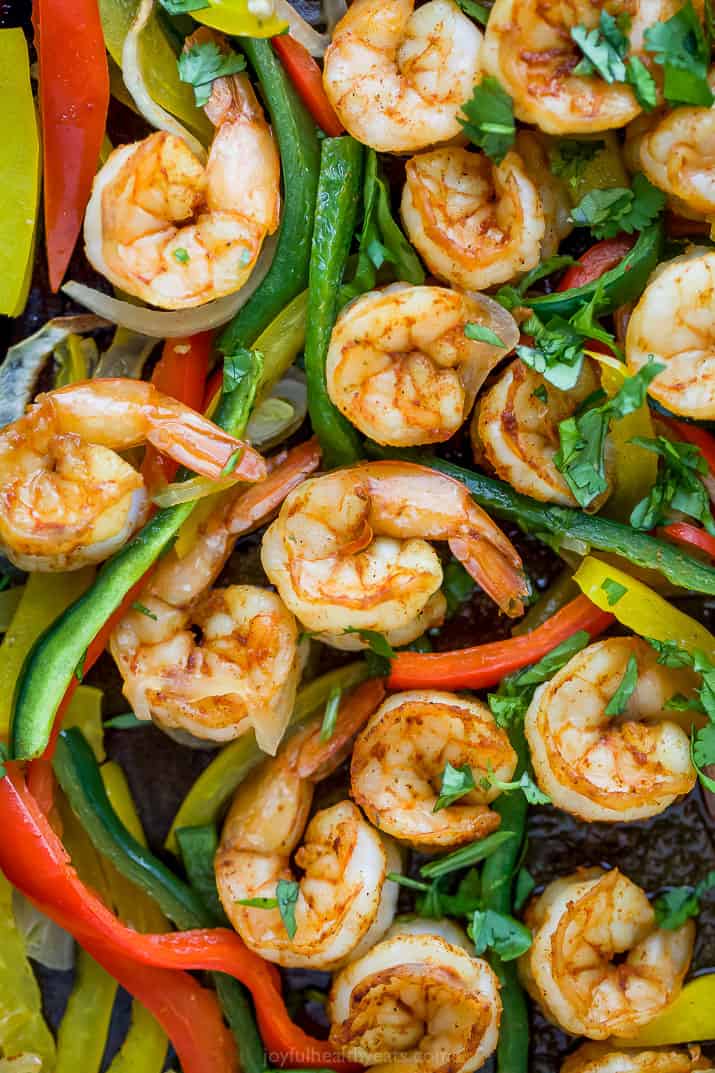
[203, 447]
[257, 505]
[496, 566]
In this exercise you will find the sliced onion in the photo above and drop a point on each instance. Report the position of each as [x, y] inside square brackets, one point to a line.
[316, 43]
[24, 361]
[154, 114]
[174, 323]
[45, 941]
[281, 413]
[126, 356]
[193, 489]
[21, 1063]
[333, 11]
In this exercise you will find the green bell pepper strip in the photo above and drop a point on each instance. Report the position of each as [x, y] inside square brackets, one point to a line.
[300, 154]
[214, 787]
[624, 282]
[84, 1028]
[198, 847]
[58, 653]
[341, 163]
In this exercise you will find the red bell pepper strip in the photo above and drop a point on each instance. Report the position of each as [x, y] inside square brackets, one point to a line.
[690, 536]
[35, 861]
[486, 665]
[74, 96]
[307, 78]
[596, 261]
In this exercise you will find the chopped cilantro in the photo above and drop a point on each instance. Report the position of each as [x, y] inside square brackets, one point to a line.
[457, 586]
[144, 610]
[557, 351]
[677, 905]
[569, 158]
[670, 654]
[604, 49]
[642, 83]
[380, 651]
[287, 895]
[515, 691]
[618, 702]
[678, 485]
[489, 119]
[236, 367]
[507, 937]
[258, 903]
[479, 12]
[525, 883]
[181, 255]
[456, 782]
[541, 393]
[330, 718]
[613, 590]
[525, 783]
[202, 63]
[608, 212]
[481, 334]
[680, 47]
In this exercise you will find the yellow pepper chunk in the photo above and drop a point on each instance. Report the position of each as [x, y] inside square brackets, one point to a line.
[635, 468]
[689, 1019]
[235, 17]
[83, 1031]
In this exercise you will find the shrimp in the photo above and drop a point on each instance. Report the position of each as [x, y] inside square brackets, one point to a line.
[606, 1058]
[418, 1001]
[528, 47]
[600, 767]
[477, 223]
[243, 668]
[397, 77]
[345, 902]
[349, 550]
[400, 367]
[517, 432]
[399, 759]
[580, 924]
[175, 233]
[67, 498]
[673, 322]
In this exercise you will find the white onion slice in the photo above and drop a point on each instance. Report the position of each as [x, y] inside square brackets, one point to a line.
[192, 489]
[173, 323]
[45, 941]
[316, 43]
[333, 11]
[134, 81]
[281, 413]
[126, 355]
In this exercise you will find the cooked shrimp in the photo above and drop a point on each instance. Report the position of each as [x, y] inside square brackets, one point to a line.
[416, 1001]
[528, 47]
[518, 433]
[398, 77]
[606, 768]
[400, 367]
[67, 498]
[349, 550]
[673, 322]
[399, 759]
[174, 232]
[606, 1058]
[345, 901]
[580, 924]
[243, 668]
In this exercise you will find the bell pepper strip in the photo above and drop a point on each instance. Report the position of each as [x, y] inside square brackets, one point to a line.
[306, 76]
[74, 97]
[640, 608]
[605, 535]
[300, 161]
[84, 711]
[690, 536]
[691, 1017]
[84, 1028]
[602, 171]
[69, 646]
[144, 1047]
[596, 261]
[9, 601]
[341, 164]
[623, 281]
[217, 783]
[22, 1026]
[486, 665]
[560, 592]
[234, 17]
[635, 469]
[19, 173]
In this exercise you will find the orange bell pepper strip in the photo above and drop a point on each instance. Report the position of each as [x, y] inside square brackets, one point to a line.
[307, 78]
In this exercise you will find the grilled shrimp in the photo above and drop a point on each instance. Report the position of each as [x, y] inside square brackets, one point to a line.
[397, 77]
[67, 498]
[418, 1001]
[400, 367]
[477, 223]
[345, 901]
[176, 232]
[518, 433]
[399, 758]
[606, 768]
[243, 669]
[349, 551]
[673, 322]
[580, 924]
[528, 47]
[606, 1058]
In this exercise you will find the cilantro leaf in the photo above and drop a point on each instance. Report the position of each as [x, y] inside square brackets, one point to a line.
[480, 12]
[182, 7]
[642, 82]
[507, 937]
[618, 702]
[670, 654]
[540, 393]
[287, 892]
[525, 783]
[457, 585]
[258, 903]
[678, 485]
[330, 718]
[456, 782]
[557, 353]
[603, 49]
[516, 690]
[613, 590]
[466, 856]
[546, 268]
[203, 62]
[569, 158]
[608, 212]
[380, 652]
[678, 904]
[144, 610]
[679, 46]
[488, 119]
[702, 752]
[481, 334]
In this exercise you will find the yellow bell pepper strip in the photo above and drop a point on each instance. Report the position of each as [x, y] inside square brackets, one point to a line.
[635, 468]
[234, 17]
[689, 1019]
[144, 1048]
[640, 608]
[213, 788]
[84, 711]
[9, 599]
[83, 1031]
[19, 172]
[22, 1027]
[44, 598]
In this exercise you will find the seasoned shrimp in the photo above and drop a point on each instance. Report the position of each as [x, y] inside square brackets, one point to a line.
[606, 768]
[517, 432]
[345, 901]
[606, 1058]
[400, 367]
[397, 77]
[175, 232]
[673, 322]
[580, 924]
[349, 550]
[244, 667]
[399, 758]
[528, 47]
[67, 498]
[418, 1001]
